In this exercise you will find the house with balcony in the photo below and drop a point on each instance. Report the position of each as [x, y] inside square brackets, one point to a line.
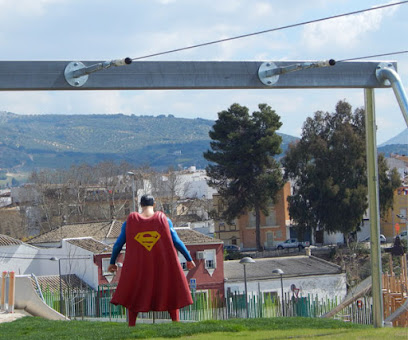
[275, 227]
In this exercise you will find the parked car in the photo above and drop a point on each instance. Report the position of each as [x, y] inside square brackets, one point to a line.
[382, 239]
[231, 247]
[292, 243]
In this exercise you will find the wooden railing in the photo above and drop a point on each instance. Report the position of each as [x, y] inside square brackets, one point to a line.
[395, 292]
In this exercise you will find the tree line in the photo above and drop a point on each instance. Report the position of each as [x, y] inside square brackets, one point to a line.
[101, 192]
[327, 167]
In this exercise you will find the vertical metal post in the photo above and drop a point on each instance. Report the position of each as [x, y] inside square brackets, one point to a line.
[246, 293]
[130, 173]
[393, 222]
[60, 285]
[283, 299]
[11, 293]
[374, 207]
[3, 291]
[133, 193]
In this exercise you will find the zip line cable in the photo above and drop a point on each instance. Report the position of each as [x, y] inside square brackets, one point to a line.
[269, 30]
[372, 56]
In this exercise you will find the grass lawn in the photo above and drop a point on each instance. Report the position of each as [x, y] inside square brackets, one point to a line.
[275, 328]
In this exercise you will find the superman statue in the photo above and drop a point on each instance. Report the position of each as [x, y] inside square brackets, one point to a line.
[151, 278]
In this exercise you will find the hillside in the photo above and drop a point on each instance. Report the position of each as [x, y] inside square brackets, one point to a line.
[401, 139]
[396, 145]
[57, 141]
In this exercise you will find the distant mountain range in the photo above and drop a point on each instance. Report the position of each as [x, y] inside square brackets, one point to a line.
[396, 145]
[401, 138]
[58, 141]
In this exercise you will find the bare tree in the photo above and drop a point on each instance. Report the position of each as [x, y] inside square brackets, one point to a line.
[50, 199]
[81, 193]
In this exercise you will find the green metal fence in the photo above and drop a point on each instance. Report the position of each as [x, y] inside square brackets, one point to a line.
[79, 304]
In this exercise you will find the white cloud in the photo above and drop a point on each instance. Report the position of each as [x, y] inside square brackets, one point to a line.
[25, 7]
[344, 32]
[228, 6]
[262, 9]
[25, 102]
[166, 2]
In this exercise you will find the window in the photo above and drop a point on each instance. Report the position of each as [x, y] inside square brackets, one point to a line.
[252, 219]
[209, 264]
[271, 218]
[269, 239]
[209, 256]
[105, 265]
[222, 226]
[210, 259]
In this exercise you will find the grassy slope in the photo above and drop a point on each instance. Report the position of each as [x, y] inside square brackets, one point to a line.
[277, 328]
[57, 141]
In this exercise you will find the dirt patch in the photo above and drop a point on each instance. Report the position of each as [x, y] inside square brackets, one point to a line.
[10, 317]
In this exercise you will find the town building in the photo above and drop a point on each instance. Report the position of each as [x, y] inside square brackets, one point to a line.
[106, 232]
[275, 227]
[395, 222]
[302, 275]
[85, 250]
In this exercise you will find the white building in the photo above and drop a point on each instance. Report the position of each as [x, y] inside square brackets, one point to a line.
[308, 274]
[192, 183]
[70, 258]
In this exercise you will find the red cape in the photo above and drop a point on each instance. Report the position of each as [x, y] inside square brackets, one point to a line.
[151, 278]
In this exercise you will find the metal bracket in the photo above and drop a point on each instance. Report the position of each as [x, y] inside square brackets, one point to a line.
[77, 74]
[379, 73]
[69, 71]
[268, 73]
[387, 75]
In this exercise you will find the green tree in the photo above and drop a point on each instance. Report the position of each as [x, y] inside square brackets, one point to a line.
[242, 165]
[328, 167]
[389, 180]
[14, 182]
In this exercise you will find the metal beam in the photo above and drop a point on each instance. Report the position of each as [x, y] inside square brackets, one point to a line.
[172, 75]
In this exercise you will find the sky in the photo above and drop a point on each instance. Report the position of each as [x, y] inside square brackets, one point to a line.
[78, 30]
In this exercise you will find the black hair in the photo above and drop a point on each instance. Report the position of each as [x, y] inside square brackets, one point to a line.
[147, 201]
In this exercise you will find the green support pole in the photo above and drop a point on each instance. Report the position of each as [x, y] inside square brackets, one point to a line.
[374, 207]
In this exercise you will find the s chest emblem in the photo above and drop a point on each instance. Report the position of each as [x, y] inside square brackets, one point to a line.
[147, 239]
